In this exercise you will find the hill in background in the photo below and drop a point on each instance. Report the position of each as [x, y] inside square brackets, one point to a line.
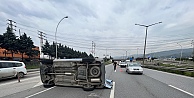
[186, 53]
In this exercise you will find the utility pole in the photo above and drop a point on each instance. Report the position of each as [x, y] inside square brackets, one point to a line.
[192, 43]
[11, 25]
[181, 52]
[94, 48]
[126, 55]
[19, 32]
[106, 53]
[137, 52]
[41, 41]
[146, 26]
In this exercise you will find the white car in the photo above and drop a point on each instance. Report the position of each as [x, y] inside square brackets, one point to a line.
[122, 64]
[134, 68]
[12, 69]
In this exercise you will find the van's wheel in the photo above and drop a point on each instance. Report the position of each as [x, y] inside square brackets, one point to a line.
[88, 88]
[46, 85]
[20, 74]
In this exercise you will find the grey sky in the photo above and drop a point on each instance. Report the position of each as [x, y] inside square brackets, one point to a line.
[110, 24]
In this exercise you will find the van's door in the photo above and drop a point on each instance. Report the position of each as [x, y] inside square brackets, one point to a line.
[1, 71]
[7, 70]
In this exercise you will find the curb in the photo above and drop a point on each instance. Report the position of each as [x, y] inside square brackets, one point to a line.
[31, 70]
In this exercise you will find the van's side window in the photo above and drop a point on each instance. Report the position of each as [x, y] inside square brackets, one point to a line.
[1, 65]
[4, 65]
[18, 64]
[10, 64]
[14, 64]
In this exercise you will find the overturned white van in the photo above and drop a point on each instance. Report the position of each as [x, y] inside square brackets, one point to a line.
[86, 73]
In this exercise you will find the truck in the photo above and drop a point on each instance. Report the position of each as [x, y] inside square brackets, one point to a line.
[88, 73]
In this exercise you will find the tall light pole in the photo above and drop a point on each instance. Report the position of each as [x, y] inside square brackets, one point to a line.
[192, 43]
[137, 52]
[146, 26]
[126, 55]
[56, 33]
[181, 52]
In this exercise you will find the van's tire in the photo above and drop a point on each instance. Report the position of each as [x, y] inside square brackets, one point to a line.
[95, 71]
[88, 88]
[46, 85]
[20, 74]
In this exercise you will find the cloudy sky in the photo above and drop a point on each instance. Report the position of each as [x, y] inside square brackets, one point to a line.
[110, 24]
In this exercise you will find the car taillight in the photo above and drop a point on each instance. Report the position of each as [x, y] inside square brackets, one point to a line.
[24, 66]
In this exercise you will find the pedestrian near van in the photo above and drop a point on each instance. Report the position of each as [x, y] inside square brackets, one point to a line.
[115, 66]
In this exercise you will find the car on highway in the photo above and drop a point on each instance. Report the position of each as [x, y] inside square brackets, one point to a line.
[122, 64]
[10, 69]
[134, 67]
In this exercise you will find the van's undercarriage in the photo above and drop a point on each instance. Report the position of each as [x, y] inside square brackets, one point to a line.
[86, 73]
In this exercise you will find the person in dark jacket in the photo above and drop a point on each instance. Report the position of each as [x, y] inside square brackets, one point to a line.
[115, 66]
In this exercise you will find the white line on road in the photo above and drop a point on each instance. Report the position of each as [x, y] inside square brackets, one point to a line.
[38, 84]
[172, 74]
[181, 90]
[112, 91]
[40, 92]
[20, 80]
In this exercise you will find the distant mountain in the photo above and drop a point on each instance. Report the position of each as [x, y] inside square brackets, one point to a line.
[166, 54]
[172, 53]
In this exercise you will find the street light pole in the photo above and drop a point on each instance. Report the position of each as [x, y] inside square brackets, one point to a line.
[56, 33]
[137, 52]
[181, 52]
[146, 26]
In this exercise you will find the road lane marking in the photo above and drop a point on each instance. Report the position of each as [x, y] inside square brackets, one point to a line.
[181, 90]
[112, 91]
[172, 74]
[40, 92]
[20, 80]
[38, 84]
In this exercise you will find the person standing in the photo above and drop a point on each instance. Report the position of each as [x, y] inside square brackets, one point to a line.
[115, 66]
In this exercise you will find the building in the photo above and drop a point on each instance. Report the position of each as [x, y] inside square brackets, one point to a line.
[6, 55]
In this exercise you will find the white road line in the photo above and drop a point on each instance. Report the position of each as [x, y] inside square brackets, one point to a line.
[40, 92]
[172, 74]
[38, 84]
[16, 81]
[112, 91]
[181, 90]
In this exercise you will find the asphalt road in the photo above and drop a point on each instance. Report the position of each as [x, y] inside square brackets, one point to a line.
[152, 84]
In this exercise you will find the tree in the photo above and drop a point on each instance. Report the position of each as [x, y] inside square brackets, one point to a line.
[63, 51]
[30, 52]
[23, 44]
[10, 42]
[91, 56]
[46, 49]
[1, 40]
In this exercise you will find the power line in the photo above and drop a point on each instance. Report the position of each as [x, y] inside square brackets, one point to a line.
[120, 38]
[107, 40]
